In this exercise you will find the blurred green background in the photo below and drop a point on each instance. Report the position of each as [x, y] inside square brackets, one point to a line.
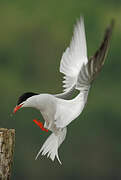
[33, 36]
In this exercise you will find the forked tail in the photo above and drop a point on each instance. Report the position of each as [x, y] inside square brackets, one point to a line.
[51, 145]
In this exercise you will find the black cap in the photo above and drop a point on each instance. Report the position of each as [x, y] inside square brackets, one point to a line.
[25, 96]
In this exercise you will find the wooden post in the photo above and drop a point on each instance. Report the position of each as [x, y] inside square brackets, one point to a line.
[7, 140]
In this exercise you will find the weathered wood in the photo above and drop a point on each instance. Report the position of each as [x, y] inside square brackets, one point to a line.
[7, 140]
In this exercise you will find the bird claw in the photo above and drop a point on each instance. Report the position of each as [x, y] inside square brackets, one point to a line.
[40, 124]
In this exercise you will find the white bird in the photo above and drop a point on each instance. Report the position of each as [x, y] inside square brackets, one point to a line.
[57, 111]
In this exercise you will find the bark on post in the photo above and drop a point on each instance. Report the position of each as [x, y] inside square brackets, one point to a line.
[7, 139]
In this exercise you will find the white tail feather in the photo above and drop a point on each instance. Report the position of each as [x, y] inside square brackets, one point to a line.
[51, 145]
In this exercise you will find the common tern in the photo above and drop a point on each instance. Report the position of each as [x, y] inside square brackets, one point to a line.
[79, 73]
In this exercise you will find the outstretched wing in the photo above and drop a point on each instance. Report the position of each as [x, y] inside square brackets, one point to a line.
[87, 74]
[89, 71]
[74, 56]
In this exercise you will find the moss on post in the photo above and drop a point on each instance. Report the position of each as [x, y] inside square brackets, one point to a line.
[7, 139]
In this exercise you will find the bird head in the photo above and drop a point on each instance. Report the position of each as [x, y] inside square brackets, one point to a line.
[23, 101]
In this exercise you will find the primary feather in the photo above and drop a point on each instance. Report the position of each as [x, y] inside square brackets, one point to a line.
[74, 56]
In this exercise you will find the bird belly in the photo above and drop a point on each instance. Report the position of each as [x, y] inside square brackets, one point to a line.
[49, 120]
[66, 114]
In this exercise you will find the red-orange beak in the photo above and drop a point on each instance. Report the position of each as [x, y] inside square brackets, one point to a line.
[17, 108]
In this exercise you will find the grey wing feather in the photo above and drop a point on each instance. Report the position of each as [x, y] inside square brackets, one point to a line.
[90, 70]
[97, 61]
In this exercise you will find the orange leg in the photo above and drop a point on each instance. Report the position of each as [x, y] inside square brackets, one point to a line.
[40, 125]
